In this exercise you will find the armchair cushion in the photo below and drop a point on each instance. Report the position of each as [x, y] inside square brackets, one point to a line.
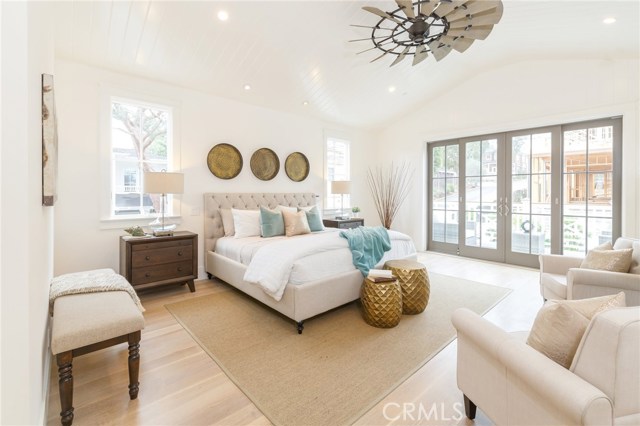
[608, 260]
[560, 325]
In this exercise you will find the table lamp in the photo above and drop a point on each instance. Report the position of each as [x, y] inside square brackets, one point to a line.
[341, 187]
[163, 183]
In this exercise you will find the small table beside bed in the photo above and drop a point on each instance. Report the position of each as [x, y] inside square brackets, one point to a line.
[310, 286]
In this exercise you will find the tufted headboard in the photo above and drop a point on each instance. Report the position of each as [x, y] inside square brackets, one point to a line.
[214, 201]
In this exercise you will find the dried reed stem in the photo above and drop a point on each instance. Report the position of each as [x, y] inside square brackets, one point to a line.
[389, 189]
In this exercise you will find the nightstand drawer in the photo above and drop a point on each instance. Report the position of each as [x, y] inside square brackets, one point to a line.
[347, 225]
[343, 223]
[161, 272]
[157, 256]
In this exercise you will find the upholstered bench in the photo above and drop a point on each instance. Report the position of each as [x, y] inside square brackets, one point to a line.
[87, 322]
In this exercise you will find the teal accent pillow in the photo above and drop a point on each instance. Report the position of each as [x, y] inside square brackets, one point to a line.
[314, 218]
[271, 223]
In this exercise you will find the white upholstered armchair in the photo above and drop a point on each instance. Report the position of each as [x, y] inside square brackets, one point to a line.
[513, 384]
[562, 278]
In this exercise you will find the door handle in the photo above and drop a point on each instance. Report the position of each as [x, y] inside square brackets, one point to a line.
[500, 209]
[508, 209]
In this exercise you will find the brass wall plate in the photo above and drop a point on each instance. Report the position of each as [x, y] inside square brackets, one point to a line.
[296, 166]
[265, 164]
[224, 161]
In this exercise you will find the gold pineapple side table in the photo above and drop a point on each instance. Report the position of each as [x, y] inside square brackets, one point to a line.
[381, 303]
[414, 283]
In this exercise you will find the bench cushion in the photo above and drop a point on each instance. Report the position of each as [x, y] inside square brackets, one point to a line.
[83, 319]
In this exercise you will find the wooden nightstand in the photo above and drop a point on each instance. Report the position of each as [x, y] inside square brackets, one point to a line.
[152, 261]
[343, 223]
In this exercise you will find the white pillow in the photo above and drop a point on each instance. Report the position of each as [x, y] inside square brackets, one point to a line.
[246, 223]
[306, 209]
[286, 209]
[227, 222]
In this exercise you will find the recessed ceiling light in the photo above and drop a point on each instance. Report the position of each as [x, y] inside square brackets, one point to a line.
[609, 20]
[223, 15]
[305, 103]
[247, 87]
[391, 89]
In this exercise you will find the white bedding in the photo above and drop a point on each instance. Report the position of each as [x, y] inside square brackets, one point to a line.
[309, 266]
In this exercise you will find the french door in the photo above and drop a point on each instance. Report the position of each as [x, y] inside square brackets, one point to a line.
[512, 196]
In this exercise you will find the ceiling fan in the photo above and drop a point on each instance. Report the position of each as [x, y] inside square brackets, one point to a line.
[417, 28]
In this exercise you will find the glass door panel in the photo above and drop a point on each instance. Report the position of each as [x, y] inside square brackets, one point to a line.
[444, 182]
[588, 176]
[482, 228]
[528, 205]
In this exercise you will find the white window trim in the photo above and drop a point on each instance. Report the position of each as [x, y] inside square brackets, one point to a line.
[327, 212]
[106, 95]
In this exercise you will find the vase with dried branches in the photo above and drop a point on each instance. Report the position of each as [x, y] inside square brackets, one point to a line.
[389, 188]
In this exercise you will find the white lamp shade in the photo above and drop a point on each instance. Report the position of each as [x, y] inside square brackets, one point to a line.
[163, 183]
[341, 187]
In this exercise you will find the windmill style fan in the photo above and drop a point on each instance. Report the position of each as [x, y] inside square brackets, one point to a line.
[417, 28]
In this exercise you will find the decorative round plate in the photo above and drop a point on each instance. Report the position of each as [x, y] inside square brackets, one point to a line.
[265, 164]
[224, 161]
[297, 166]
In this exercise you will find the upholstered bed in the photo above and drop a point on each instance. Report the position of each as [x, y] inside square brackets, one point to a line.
[299, 301]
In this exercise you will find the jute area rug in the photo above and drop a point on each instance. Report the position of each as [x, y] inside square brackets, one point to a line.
[339, 367]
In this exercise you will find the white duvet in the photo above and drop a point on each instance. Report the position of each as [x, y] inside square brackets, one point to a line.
[271, 264]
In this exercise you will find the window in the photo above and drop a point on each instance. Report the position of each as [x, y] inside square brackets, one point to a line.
[141, 141]
[338, 168]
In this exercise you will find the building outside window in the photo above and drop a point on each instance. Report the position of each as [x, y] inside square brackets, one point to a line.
[338, 168]
[141, 141]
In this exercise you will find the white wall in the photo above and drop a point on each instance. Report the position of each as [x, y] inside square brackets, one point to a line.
[203, 120]
[26, 256]
[519, 96]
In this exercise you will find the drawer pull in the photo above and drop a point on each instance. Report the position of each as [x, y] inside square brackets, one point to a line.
[147, 258]
[147, 275]
[180, 253]
[179, 268]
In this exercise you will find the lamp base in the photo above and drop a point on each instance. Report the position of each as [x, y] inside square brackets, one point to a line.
[161, 233]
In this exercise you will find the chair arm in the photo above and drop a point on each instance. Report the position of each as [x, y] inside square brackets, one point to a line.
[558, 396]
[616, 281]
[513, 383]
[558, 264]
[481, 332]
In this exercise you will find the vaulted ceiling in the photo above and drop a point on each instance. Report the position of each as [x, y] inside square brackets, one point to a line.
[292, 52]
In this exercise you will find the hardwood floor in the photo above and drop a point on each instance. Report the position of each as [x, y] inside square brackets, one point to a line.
[181, 385]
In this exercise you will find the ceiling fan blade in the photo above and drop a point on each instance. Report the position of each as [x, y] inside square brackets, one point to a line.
[381, 13]
[401, 56]
[407, 7]
[427, 9]
[490, 18]
[477, 33]
[460, 44]
[472, 7]
[420, 55]
[439, 50]
[445, 7]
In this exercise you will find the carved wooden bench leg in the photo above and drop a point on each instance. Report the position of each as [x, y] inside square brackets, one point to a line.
[469, 408]
[65, 384]
[134, 363]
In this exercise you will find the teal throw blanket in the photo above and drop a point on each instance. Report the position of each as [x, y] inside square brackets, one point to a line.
[367, 245]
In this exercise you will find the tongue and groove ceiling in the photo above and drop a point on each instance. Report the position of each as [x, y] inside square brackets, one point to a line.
[291, 52]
